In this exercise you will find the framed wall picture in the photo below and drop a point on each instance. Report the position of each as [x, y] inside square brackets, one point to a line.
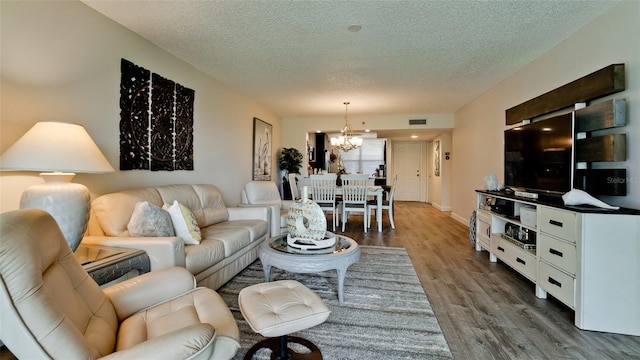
[262, 132]
[436, 158]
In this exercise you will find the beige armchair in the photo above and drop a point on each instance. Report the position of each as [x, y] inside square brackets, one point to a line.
[265, 193]
[51, 309]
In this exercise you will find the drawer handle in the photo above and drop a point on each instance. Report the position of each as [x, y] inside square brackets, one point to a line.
[489, 231]
[555, 223]
[555, 282]
[521, 261]
[555, 252]
[501, 248]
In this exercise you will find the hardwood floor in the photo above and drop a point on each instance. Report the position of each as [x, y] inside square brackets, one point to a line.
[486, 310]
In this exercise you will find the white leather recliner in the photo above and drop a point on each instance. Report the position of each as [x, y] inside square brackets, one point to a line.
[51, 309]
[265, 193]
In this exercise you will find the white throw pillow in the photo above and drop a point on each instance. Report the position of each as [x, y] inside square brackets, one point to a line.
[184, 223]
[149, 220]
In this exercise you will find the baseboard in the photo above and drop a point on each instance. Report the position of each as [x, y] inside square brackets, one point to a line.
[440, 207]
[460, 219]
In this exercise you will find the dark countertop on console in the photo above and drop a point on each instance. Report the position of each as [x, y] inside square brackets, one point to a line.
[556, 201]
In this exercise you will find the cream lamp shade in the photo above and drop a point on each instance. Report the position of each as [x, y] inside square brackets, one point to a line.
[59, 150]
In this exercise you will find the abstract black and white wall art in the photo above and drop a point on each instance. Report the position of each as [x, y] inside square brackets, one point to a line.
[156, 121]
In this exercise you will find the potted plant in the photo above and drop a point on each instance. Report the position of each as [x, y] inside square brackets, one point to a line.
[289, 161]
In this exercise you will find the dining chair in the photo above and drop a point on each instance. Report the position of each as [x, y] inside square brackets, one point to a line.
[323, 188]
[293, 185]
[354, 197]
[372, 205]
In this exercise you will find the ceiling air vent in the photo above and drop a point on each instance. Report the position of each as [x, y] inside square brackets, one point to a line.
[417, 121]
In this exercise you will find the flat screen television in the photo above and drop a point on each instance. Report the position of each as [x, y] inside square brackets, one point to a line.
[538, 156]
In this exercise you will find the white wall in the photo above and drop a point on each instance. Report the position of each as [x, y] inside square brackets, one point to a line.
[478, 132]
[61, 61]
[440, 186]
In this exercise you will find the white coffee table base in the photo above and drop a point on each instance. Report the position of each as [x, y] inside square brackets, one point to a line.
[303, 263]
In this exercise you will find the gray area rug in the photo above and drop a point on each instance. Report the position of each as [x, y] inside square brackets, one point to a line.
[385, 314]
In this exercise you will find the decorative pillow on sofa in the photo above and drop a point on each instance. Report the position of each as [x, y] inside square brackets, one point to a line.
[184, 223]
[149, 220]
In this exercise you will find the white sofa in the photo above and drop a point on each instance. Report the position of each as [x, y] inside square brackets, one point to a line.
[265, 193]
[230, 235]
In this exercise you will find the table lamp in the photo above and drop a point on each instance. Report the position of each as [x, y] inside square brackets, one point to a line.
[60, 150]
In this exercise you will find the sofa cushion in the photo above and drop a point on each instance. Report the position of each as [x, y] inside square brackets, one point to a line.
[204, 200]
[113, 211]
[150, 220]
[200, 257]
[110, 213]
[257, 229]
[184, 223]
[234, 239]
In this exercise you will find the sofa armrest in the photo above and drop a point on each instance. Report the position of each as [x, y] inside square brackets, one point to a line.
[251, 212]
[146, 290]
[187, 343]
[163, 252]
[286, 204]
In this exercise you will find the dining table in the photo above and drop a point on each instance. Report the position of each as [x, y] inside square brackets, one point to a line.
[376, 191]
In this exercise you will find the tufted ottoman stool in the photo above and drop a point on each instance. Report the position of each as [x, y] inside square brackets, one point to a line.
[277, 309]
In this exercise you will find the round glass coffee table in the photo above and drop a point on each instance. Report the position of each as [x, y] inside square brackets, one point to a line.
[276, 252]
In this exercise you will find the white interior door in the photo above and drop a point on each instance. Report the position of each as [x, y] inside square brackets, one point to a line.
[408, 165]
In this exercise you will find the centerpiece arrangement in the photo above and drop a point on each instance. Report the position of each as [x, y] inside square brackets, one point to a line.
[307, 225]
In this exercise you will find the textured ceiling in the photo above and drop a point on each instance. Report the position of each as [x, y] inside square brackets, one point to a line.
[411, 57]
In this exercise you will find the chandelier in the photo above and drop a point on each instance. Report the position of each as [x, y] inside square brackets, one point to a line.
[347, 141]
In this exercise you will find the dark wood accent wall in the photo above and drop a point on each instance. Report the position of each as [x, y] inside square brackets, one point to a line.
[611, 147]
[604, 115]
[599, 148]
[603, 82]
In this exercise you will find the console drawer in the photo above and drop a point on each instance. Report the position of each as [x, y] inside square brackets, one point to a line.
[557, 253]
[519, 259]
[484, 242]
[484, 228]
[557, 283]
[484, 216]
[558, 223]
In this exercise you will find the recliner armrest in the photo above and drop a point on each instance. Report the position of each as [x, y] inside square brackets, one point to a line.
[141, 292]
[191, 342]
[163, 252]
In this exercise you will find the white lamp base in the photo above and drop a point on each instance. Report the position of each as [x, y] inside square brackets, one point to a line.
[68, 203]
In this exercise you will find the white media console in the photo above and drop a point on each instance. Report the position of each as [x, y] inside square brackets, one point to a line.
[587, 258]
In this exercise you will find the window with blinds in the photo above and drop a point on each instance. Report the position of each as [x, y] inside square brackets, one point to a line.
[366, 158]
